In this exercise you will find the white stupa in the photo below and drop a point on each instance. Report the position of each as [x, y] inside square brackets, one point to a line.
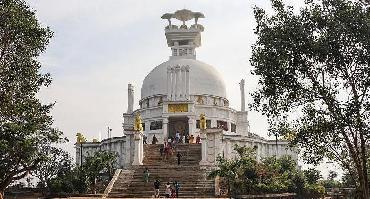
[176, 92]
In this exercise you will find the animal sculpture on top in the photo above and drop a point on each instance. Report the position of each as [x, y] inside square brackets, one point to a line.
[138, 123]
[80, 138]
[203, 122]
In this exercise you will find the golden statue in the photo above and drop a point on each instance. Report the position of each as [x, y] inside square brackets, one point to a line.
[290, 136]
[203, 122]
[95, 140]
[138, 126]
[80, 138]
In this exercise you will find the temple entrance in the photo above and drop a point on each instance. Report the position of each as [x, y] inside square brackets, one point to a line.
[178, 124]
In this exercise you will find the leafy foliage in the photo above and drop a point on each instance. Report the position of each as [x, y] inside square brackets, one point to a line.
[58, 163]
[315, 78]
[97, 168]
[312, 176]
[245, 175]
[99, 165]
[25, 123]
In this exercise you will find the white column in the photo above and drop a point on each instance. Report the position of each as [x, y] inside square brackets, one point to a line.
[258, 152]
[169, 85]
[192, 125]
[147, 126]
[187, 83]
[183, 80]
[78, 154]
[173, 82]
[138, 136]
[227, 149]
[128, 149]
[141, 150]
[214, 123]
[178, 82]
[179, 96]
[130, 98]
[203, 137]
[242, 82]
[165, 128]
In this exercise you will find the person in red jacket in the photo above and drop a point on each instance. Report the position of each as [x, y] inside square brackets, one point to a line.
[197, 140]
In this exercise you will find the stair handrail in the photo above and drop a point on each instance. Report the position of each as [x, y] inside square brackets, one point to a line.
[108, 189]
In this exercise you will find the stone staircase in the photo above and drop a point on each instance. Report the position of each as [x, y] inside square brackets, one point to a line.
[192, 178]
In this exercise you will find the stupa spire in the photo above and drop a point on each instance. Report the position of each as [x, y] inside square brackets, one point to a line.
[183, 40]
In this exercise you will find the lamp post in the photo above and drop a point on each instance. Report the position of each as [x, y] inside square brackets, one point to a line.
[80, 153]
[109, 131]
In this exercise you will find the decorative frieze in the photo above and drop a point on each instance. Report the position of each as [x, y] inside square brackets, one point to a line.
[173, 108]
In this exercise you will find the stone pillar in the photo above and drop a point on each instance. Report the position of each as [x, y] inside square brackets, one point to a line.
[130, 98]
[165, 128]
[178, 82]
[169, 84]
[173, 82]
[227, 148]
[147, 127]
[187, 83]
[211, 146]
[203, 137]
[138, 154]
[78, 148]
[214, 123]
[183, 82]
[141, 149]
[242, 94]
[258, 152]
[192, 125]
[129, 148]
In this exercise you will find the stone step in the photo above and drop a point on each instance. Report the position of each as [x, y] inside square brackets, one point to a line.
[192, 179]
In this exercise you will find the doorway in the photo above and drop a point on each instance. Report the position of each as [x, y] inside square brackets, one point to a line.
[178, 124]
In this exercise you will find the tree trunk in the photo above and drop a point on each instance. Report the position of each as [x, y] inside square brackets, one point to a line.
[363, 185]
[2, 194]
[364, 157]
[364, 189]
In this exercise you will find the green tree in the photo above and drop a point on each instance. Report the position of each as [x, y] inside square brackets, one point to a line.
[58, 163]
[312, 175]
[100, 164]
[82, 179]
[314, 79]
[25, 123]
[240, 172]
[245, 175]
[348, 180]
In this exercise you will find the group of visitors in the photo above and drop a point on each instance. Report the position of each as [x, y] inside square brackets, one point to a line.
[171, 191]
[154, 139]
[197, 139]
[184, 139]
[177, 139]
[168, 148]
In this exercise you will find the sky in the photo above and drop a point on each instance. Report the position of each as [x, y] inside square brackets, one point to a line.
[99, 46]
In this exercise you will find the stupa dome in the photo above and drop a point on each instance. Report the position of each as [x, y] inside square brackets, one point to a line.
[204, 79]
